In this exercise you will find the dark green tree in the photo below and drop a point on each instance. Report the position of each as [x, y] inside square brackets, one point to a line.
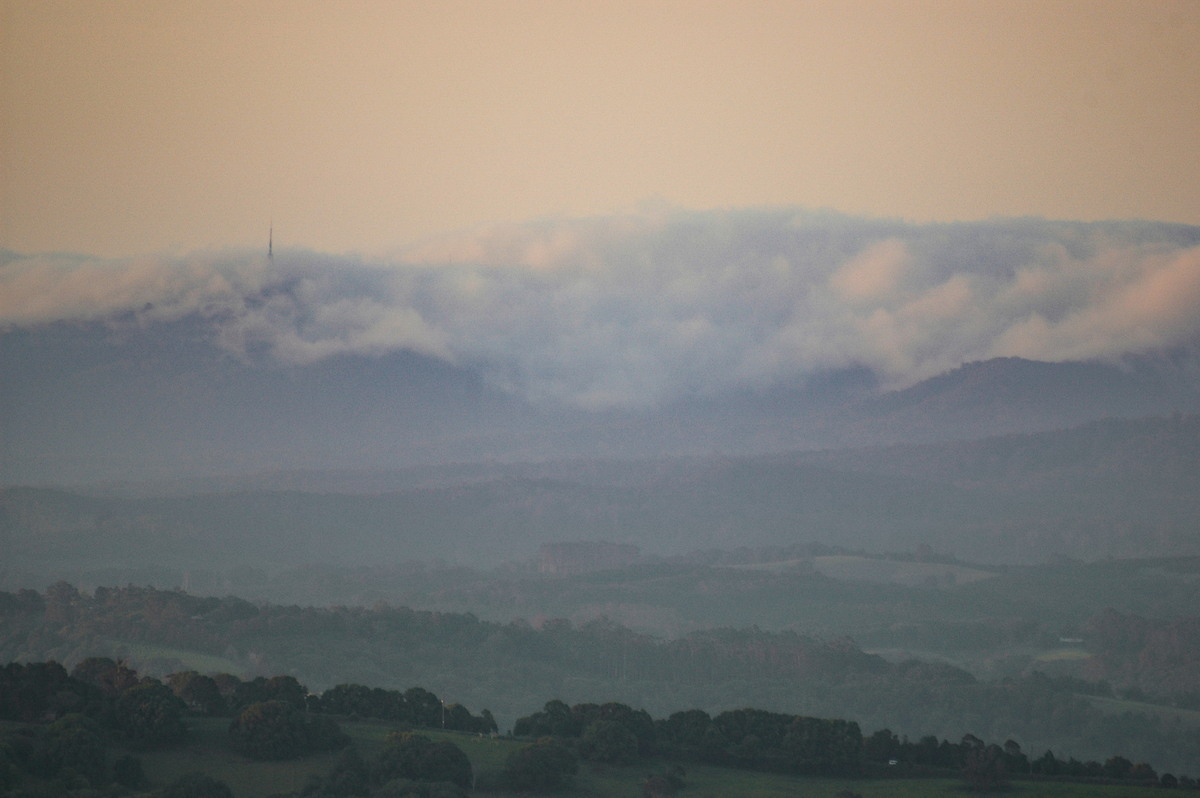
[349, 776]
[1117, 767]
[92, 670]
[1015, 760]
[413, 756]
[545, 765]
[360, 700]
[684, 729]
[555, 720]
[200, 693]
[422, 707]
[882, 746]
[112, 677]
[1141, 771]
[268, 730]
[819, 745]
[277, 688]
[277, 730]
[637, 721]
[28, 693]
[10, 770]
[486, 724]
[983, 768]
[150, 715]
[458, 717]
[195, 785]
[608, 741]
[73, 744]
[127, 772]
[1047, 765]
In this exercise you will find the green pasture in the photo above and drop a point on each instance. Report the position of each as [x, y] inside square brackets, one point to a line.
[1063, 655]
[897, 572]
[208, 752]
[192, 660]
[856, 568]
[1119, 706]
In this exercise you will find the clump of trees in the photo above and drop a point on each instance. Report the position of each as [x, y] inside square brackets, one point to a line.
[747, 738]
[417, 758]
[409, 765]
[150, 715]
[612, 732]
[415, 706]
[278, 730]
[546, 765]
[72, 719]
[755, 739]
[506, 665]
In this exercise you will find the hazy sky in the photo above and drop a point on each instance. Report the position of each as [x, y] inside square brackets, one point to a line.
[134, 127]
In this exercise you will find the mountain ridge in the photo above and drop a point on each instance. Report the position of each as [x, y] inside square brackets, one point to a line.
[1110, 488]
[182, 411]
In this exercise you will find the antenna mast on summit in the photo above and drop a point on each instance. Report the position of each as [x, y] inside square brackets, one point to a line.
[271, 242]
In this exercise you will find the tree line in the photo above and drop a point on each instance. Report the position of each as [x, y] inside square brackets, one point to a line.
[71, 719]
[512, 666]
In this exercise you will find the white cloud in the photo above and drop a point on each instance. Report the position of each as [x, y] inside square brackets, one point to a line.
[632, 310]
[1143, 299]
[873, 276]
[47, 288]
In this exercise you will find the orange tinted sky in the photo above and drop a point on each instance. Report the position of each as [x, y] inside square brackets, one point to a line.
[141, 126]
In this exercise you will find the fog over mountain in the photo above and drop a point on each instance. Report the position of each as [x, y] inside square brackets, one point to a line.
[962, 453]
[805, 389]
[663, 332]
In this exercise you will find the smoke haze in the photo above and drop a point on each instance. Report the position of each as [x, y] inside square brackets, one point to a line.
[638, 310]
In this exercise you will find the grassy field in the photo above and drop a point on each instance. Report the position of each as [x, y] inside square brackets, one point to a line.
[854, 568]
[1063, 655]
[208, 752]
[1117, 706]
[192, 660]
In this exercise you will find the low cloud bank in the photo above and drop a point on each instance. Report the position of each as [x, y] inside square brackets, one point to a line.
[636, 310]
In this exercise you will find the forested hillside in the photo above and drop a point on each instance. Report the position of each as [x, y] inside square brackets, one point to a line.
[509, 667]
[1110, 489]
[104, 726]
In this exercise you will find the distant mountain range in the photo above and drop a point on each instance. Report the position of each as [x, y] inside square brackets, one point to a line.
[1017, 395]
[1115, 488]
[83, 404]
[692, 333]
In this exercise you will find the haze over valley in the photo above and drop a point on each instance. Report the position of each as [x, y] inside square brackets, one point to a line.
[270, 429]
[793, 390]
